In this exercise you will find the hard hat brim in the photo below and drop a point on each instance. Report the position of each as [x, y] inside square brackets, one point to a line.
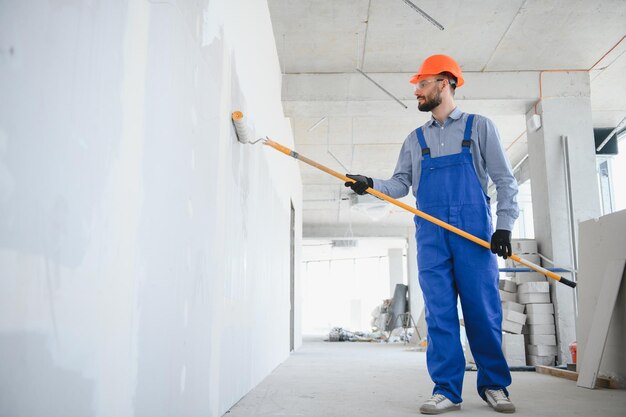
[417, 77]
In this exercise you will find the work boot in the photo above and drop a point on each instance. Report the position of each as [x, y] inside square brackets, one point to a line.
[438, 404]
[498, 400]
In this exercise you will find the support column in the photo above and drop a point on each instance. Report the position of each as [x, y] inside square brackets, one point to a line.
[565, 110]
[396, 269]
[416, 299]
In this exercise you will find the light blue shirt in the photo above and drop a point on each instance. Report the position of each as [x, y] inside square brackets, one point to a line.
[487, 154]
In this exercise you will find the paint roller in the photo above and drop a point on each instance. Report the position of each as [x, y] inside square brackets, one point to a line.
[241, 128]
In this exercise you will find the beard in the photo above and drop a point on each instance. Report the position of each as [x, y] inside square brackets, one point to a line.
[430, 102]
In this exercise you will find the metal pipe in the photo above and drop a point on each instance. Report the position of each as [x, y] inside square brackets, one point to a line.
[382, 88]
[606, 140]
[570, 214]
[424, 14]
[568, 268]
[317, 123]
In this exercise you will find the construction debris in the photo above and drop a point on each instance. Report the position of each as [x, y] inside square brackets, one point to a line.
[513, 317]
[527, 312]
[338, 334]
[399, 335]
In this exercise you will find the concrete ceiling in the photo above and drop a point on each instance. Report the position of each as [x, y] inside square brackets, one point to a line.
[502, 45]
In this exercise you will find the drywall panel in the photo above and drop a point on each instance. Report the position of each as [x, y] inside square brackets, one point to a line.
[144, 252]
[602, 240]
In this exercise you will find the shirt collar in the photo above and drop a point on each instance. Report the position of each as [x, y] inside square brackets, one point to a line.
[455, 115]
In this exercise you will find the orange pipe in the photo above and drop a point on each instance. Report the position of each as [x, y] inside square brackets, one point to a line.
[572, 70]
[415, 211]
[516, 139]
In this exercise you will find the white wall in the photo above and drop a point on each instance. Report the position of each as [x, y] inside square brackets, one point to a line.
[144, 252]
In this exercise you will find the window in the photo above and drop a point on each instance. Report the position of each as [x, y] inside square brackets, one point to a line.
[612, 178]
[618, 174]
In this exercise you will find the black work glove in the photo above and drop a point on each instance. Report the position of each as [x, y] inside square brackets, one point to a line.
[361, 184]
[501, 243]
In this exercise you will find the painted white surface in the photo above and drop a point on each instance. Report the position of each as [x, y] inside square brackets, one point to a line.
[144, 252]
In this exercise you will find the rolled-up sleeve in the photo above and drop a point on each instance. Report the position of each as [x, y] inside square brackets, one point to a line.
[399, 184]
[500, 172]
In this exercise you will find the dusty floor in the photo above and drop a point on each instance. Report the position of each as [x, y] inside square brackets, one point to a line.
[383, 380]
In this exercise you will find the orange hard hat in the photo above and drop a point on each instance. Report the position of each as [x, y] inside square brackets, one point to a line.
[436, 64]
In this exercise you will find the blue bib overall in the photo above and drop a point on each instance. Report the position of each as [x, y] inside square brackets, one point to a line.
[451, 266]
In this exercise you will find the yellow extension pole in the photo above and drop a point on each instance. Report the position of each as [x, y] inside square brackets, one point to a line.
[417, 212]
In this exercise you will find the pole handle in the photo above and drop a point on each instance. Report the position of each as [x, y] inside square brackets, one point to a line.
[567, 282]
[376, 193]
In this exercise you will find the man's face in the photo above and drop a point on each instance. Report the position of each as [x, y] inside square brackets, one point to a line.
[428, 94]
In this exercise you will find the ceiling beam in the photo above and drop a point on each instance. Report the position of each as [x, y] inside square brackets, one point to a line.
[346, 231]
[354, 87]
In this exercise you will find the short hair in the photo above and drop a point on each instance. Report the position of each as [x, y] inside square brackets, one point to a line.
[452, 80]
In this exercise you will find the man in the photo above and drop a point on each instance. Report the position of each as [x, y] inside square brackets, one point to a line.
[448, 162]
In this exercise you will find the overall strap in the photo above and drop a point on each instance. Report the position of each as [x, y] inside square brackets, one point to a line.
[420, 137]
[467, 137]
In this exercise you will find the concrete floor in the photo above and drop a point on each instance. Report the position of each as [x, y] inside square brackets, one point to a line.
[381, 380]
